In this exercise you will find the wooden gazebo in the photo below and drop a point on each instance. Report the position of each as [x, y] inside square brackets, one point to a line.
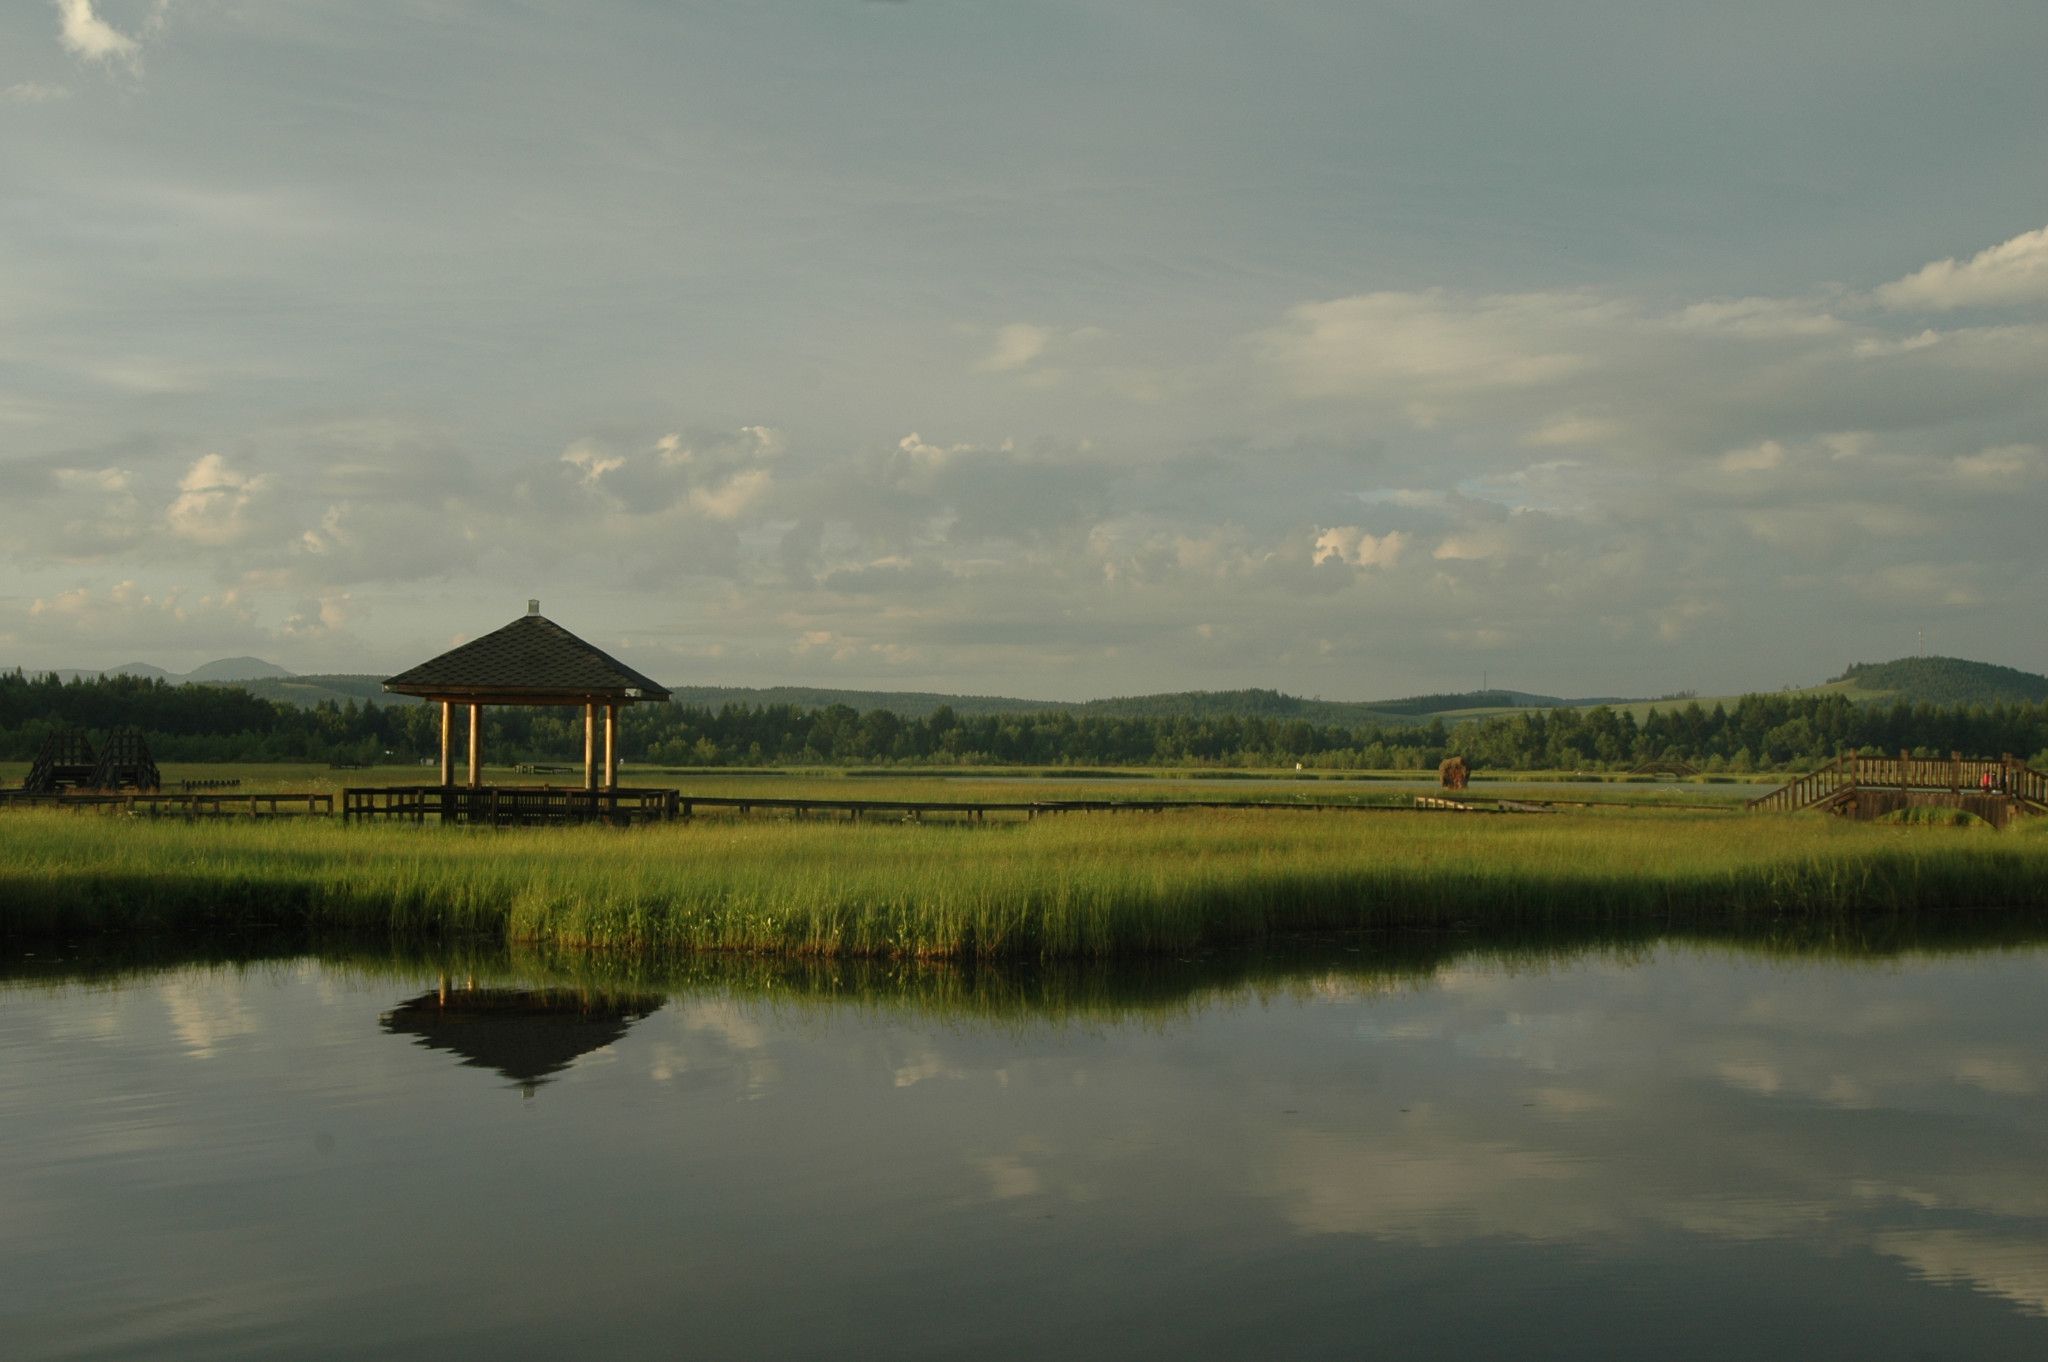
[531, 661]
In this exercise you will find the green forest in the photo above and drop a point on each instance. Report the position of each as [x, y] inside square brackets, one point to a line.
[221, 723]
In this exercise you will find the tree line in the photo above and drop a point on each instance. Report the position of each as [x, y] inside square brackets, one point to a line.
[222, 723]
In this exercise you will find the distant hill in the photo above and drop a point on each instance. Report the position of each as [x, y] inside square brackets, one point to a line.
[235, 669]
[910, 704]
[1199, 704]
[1942, 681]
[224, 669]
[307, 691]
[1244, 704]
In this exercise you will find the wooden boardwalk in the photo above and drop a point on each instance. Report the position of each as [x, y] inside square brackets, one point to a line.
[1863, 787]
[508, 806]
[541, 806]
[185, 805]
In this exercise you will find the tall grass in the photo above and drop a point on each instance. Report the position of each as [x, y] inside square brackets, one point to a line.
[1079, 886]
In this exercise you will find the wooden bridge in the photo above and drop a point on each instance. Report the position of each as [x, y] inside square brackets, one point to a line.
[1863, 787]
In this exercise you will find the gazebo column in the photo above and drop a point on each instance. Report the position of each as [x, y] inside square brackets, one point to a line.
[476, 746]
[611, 745]
[447, 742]
[589, 744]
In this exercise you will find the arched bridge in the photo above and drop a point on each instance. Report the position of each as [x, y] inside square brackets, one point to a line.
[1870, 787]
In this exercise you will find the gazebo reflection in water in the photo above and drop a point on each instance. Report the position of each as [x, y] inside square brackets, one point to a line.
[527, 1035]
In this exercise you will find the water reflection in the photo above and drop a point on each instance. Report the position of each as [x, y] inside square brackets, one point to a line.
[527, 1034]
[1578, 1146]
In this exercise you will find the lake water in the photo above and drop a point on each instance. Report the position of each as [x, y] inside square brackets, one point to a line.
[1659, 1150]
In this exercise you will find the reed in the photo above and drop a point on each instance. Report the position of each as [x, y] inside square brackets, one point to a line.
[1080, 886]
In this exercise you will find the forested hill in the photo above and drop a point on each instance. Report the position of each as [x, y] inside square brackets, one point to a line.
[1194, 704]
[1201, 704]
[907, 704]
[227, 723]
[1945, 681]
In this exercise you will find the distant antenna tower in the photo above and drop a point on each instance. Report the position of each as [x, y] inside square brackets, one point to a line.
[1920, 643]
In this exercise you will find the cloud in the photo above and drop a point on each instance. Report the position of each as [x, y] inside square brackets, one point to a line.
[1758, 458]
[732, 498]
[1350, 544]
[33, 92]
[1472, 546]
[1758, 318]
[592, 465]
[87, 36]
[140, 617]
[1435, 339]
[1926, 584]
[2003, 467]
[2014, 271]
[1573, 428]
[211, 500]
[323, 615]
[1016, 345]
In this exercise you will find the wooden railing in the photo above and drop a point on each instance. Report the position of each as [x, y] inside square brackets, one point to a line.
[1954, 774]
[274, 805]
[508, 806]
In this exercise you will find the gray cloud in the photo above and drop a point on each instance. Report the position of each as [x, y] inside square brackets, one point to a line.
[1032, 388]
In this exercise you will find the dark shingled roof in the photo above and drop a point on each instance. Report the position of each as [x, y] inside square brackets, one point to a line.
[532, 654]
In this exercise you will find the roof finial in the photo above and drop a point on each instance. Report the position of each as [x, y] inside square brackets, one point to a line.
[532, 606]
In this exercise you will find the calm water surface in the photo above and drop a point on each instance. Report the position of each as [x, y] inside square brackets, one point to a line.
[1665, 1151]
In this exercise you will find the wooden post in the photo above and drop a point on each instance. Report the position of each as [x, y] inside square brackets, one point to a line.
[611, 745]
[590, 745]
[1955, 773]
[447, 742]
[476, 746]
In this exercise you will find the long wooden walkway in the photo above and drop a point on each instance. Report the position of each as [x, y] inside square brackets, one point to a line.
[536, 806]
[185, 805]
[1857, 786]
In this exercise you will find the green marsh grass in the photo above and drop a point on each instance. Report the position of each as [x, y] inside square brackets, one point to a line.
[1072, 887]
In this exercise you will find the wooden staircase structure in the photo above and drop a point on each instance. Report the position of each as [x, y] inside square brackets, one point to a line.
[1857, 786]
[126, 764]
[67, 761]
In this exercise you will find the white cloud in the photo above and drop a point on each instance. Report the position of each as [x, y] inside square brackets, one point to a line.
[1757, 458]
[928, 454]
[2004, 466]
[731, 498]
[592, 465]
[1016, 345]
[1350, 544]
[1471, 546]
[211, 500]
[1440, 340]
[33, 92]
[91, 38]
[321, 616]
[2014, 271]
[1758, 318]
[1573, 428]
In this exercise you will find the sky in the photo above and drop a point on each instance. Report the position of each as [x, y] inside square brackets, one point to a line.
[1058, 349]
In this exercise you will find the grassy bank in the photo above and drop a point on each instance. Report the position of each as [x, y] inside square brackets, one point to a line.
[1071, 887]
